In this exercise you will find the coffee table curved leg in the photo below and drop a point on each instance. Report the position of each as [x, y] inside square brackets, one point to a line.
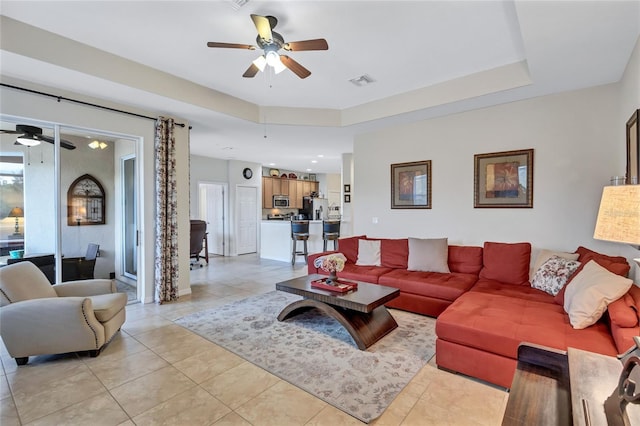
[365, 328]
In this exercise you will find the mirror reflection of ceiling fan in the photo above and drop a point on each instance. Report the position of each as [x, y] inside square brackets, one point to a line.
[271, 42]
[32, 136]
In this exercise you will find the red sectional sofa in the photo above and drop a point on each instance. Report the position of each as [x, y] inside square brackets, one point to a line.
[427, 293]
[486, 307]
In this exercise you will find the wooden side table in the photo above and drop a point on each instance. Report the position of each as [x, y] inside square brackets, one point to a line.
[554, 387]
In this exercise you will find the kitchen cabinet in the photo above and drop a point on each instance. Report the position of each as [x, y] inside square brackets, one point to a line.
[295, 201]
[267, 193]
[294, 188]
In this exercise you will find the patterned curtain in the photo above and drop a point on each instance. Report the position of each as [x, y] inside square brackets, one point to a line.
[166, 256]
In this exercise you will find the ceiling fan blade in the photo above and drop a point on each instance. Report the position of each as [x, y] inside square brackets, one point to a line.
[231, 45]
[316, 44]
[10, 132]
[263, 25]
[297, 69]
[251, 71]
[63, 143]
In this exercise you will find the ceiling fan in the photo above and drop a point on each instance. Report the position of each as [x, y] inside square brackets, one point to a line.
[32, 136]
[271, 42]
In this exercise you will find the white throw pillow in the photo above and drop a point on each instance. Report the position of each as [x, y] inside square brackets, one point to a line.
[428, 255]
[368, 253]
[545, 255]
[590, 292]
[553, 274]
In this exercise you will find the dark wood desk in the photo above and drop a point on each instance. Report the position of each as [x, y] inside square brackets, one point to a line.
[554, 387]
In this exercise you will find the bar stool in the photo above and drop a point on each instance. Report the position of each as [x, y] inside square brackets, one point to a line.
[330, 232]
[299, 232]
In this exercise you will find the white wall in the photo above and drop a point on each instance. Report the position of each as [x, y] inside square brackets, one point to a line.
[22, 104]
[577, 148]
[205, 169]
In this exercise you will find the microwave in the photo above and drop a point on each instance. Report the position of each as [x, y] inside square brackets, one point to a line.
[280, 201]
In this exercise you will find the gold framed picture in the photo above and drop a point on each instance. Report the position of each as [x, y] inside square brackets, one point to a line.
[411, 185]
[504, 179]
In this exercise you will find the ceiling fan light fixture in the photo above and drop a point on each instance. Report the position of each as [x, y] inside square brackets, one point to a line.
[278, 67]
[97, 144]
[273, 58]
[260, 62]
[28, 140]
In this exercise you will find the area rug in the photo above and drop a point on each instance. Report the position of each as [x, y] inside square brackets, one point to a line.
[314, 352]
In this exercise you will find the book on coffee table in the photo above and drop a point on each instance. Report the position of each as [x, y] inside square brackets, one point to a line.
[338, 286]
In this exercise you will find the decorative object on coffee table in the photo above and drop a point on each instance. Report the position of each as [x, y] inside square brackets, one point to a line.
[504, 179]
[331, 263]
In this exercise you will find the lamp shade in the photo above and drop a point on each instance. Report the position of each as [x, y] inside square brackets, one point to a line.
[16, 212]
[619, 215]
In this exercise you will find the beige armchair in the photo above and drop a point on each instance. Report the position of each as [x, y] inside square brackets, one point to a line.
[37, 318]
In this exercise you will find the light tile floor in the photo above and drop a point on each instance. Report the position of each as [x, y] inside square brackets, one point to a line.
[155, 372]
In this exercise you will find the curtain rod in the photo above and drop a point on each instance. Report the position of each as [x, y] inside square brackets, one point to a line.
[62, 98]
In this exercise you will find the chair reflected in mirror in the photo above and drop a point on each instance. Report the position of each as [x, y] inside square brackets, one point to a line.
[80, 268]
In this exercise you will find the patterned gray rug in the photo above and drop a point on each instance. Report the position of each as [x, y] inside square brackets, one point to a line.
[315, 353]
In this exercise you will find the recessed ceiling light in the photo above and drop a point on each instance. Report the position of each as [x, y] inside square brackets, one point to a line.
[272, 164]
[320, 155]
[314, 161]
[308, 170]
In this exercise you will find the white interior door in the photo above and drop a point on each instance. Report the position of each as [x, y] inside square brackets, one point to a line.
[247, 202]
[212, 211]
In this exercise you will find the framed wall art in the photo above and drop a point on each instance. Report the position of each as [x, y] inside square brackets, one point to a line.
[504, 179]
[86, 202]
[347, 198]
[347, 188]
[411, 185]
[633, 149]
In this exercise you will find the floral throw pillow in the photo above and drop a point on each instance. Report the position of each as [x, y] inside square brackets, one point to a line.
[554, 274]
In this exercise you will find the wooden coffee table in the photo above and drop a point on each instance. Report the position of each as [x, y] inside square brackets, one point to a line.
[361, 312]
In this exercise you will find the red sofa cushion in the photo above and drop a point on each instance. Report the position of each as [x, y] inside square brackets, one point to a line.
[498, 324]
[368, 274]
[583, 252]
[506, 262]
[465, 259]
[623, 311]
[517, 291]
[434, 284]
[617, 265]
[349, 247]
[394, 253]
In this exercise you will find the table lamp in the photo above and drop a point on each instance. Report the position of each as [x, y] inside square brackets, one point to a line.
[16, 212]
[619, 221]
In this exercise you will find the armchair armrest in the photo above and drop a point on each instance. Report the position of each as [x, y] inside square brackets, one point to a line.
[50, 325]
[85, 288]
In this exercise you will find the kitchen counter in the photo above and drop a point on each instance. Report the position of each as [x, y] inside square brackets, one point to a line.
[276, 244]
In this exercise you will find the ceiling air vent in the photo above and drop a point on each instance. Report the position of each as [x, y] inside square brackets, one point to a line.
[237, 4]
[363, 80]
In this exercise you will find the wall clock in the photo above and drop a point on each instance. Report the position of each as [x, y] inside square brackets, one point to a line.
[247, 173]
